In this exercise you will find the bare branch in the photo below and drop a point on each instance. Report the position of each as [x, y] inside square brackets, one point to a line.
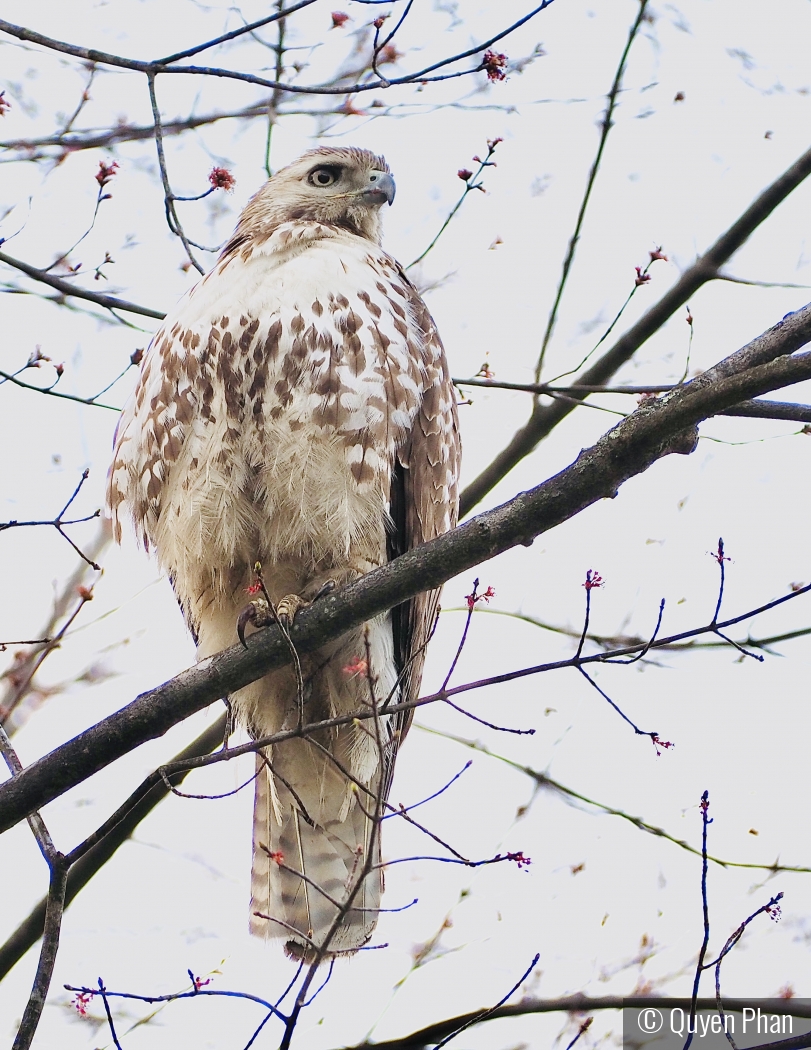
[486, 1014]
[583, 1004]
[47, 956]
[59, 523]
[471, 180]
[168, 197]
[55, 904]
[760, 409]
[110, 302]
[151, 69]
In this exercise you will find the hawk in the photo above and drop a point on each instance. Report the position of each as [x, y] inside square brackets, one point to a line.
[296, 409]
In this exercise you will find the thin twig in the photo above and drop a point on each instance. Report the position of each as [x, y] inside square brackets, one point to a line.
[606, 125]
[277, 95]
[584, 1027]
[59, 522]
[10, 378]
[172, 219]
[472, 599]
[402, 810]
[706, 820]
[488, 1013]
[69, 288]
[471, 183]
[620, 712]
[173, 996]
[490, 725]
[47, 955]
[103, 994]
[772, 908]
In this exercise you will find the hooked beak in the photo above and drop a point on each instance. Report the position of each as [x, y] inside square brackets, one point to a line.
[380, 190]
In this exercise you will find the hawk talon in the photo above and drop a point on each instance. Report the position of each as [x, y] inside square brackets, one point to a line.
[326, 588]
[257, 613]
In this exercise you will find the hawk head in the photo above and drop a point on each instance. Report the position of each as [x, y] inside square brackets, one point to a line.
[338, 186]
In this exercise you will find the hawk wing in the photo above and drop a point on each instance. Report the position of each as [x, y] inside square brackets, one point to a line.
[424, 504]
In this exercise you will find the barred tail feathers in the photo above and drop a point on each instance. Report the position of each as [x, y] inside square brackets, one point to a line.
[328, 845]
[316, 840]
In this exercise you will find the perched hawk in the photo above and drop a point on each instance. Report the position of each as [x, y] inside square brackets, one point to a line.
[296, 409]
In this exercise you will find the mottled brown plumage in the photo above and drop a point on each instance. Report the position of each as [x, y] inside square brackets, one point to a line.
[296, 409]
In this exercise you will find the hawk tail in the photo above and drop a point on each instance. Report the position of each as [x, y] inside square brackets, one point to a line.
[306, 874]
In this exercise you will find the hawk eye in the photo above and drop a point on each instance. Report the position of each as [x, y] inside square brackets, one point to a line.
[323, 177]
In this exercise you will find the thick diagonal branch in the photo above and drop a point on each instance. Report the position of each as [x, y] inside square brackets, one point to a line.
[655, 429]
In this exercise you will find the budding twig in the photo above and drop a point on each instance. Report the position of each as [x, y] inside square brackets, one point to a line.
[470, 180]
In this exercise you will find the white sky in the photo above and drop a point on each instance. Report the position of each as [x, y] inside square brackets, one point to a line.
[674, 174]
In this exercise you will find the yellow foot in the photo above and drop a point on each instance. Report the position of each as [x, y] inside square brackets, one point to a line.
[259, 614]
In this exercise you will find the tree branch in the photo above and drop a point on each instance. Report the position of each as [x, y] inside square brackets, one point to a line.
[68, 288]
[54, 909]
[47, 957]
[760, 409]
[90, 138]
[157, 66]
[579, 1004]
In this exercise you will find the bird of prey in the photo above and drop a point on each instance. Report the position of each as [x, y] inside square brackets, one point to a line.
[295, 409]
